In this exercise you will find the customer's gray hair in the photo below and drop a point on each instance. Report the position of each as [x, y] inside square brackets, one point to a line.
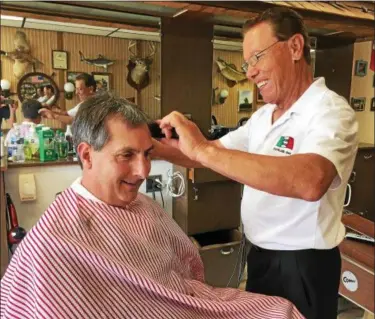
[90, 123]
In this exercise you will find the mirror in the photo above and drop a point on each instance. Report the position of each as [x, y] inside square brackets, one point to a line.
[40, 86]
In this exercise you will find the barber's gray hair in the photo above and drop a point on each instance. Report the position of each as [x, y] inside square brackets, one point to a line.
[90, 123]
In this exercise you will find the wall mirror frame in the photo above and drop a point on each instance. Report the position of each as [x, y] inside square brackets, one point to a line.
[27, 87]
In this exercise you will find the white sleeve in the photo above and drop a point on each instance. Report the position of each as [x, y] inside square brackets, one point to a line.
[51, 101]
[42, 99]
[238, 139]
[73, 112]
[333, 134]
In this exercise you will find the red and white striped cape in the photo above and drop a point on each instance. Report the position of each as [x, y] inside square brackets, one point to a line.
[86, 259]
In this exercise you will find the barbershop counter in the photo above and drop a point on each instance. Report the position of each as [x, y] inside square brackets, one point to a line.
[31, 163]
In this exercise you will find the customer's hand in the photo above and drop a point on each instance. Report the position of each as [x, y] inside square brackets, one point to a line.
[191, 141]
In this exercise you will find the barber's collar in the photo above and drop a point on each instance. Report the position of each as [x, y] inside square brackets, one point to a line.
[82, 191]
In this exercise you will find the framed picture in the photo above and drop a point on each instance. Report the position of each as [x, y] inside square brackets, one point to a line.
[71, 76]
[372, 107]
[59, 60]
[358, 103]
[245, 100]
[103, 80]
[360, 68]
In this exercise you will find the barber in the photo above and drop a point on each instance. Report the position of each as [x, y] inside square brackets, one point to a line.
[7, 110]
[294, 156]
[85, 87]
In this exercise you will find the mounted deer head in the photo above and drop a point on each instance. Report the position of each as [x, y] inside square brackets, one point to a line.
[138, 76]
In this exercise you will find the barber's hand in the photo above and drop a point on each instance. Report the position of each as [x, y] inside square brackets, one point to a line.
[191, 141]
[14, 107]
[46, 113]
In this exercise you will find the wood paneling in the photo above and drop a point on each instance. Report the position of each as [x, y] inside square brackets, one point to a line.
[43, 42]
[227, 114]
[148, 102]
[363, 87]
[186, 68]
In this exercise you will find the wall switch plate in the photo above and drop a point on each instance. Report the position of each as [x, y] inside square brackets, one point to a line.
[151, 185]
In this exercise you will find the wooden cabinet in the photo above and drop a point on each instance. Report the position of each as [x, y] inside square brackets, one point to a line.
[210, 203]
[334, 60]
[362, 183]
[357, 270]
[209, 212]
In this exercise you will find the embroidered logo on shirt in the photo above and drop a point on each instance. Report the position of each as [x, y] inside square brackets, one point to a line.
[285, 145]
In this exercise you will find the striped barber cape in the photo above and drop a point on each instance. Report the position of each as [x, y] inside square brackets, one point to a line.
[87, 259]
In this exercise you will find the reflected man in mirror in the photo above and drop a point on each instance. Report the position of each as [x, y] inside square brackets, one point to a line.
[48, 99]
[85, 87]
[294, 156]
[104, 250]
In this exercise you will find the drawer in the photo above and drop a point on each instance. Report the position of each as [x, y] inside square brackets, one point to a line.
[220, 254]
[357, 283]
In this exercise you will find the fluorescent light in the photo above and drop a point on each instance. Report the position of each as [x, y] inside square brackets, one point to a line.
[69, 24]
[179, 13]
[11, 18]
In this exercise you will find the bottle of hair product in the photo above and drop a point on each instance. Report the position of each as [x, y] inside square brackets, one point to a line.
[69, 138]
[62, 146]
[47, 150]
[34, 143]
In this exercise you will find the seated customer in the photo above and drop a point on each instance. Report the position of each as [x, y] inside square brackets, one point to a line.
[103, 250]
[30, 110]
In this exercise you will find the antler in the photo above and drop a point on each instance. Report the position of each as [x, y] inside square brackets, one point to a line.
[153, 49]
[131, 45]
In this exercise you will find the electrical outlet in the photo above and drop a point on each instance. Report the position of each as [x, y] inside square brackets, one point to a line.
[151, 185]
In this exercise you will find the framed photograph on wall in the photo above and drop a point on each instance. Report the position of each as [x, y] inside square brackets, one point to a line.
[358, 103]
[245, 100]
[59, 60]
[372, 107]
[258, 96]
[360, 68]
[71, 76]
[103, 80]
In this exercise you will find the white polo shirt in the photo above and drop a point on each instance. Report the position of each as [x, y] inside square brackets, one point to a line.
[319, 122]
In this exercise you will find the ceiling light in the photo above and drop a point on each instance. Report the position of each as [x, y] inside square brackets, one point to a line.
[4, 17]
[179, 13]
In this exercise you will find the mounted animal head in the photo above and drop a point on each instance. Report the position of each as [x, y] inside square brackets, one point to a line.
[139, 66]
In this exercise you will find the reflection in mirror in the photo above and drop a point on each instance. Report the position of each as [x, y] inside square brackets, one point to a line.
[38, 86]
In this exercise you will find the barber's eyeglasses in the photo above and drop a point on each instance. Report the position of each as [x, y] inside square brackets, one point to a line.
[254, 59]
